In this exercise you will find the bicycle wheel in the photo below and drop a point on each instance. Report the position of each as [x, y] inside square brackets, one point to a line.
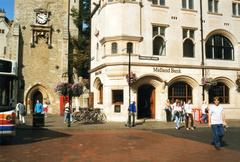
[102, 117]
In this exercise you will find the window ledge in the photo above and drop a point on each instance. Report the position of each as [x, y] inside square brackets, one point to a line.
[189, 10]
[236, 16]
[213, 59]
[192, 58]
[159, 55]
[118, 103]
[214, 13]
[160, 6]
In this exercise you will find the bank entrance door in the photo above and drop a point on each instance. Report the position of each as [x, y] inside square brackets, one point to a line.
[146, 102]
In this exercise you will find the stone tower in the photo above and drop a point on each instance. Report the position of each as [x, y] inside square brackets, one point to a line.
[44, 49]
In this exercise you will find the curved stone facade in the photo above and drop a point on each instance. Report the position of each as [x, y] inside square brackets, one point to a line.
[158, 74]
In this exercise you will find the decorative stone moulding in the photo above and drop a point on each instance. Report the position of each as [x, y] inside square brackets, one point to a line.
[41, 34]
[41, 30]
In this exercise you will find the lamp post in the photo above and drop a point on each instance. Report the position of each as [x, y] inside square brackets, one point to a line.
[202, 48]
[129, 51]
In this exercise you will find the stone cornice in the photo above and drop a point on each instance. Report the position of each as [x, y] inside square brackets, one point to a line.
[158, 24]
[119, 2]
[118, 38]
[162, 65]
[191, 28]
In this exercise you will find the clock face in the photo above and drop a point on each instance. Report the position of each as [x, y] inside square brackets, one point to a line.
[42, 18]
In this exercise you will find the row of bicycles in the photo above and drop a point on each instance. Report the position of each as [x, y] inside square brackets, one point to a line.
[89, 115]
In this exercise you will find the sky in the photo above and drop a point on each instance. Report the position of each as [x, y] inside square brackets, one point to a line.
[8, 6]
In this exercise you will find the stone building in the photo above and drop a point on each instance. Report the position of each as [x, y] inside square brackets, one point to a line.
[164, 40]
[45, 30]
[5, 26]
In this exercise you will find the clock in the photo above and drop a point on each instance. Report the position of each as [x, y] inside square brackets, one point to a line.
[42, 18]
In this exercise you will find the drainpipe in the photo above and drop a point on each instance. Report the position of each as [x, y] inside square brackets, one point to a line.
[202, 48]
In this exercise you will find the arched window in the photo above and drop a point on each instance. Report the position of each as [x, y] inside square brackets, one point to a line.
[97, 50]
[114, 48]
[129, 47]
[158, 46]
[219, 47]
[100, 90]
[220, 90]
[188, 48]
[180, 90]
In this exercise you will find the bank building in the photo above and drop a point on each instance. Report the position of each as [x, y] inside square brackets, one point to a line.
[184, 49]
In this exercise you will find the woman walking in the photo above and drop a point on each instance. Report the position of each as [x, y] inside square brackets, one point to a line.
[177, 112]
[168, 111]
[188, 115]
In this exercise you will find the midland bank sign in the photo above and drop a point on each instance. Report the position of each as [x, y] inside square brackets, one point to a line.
[166, 70]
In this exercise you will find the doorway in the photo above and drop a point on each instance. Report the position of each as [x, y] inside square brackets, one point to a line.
[36, 96]
[146, 102]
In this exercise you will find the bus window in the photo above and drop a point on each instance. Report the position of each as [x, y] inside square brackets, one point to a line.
[4, 91]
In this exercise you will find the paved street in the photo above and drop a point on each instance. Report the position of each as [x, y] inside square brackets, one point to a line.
[148, 142]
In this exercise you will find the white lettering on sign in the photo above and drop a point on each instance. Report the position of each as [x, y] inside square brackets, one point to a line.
[166, 70]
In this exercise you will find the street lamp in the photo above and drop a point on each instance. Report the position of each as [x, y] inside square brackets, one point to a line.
[129, 51]
[202, 48]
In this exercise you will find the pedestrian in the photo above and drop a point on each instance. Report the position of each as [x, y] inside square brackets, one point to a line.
[17, 110]
[182, 113]
[216, 119]
[204, 112]
[168, 110]
[132, 113]
[45, 108]
[177, 113]
[67, 114]
[22, 112]
[173, 109]
[38, 109]
[188, 108]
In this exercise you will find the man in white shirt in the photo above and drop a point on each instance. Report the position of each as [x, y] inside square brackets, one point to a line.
[216, 120]
[189, 116]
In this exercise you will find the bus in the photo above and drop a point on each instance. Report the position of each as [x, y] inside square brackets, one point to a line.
[8, 96]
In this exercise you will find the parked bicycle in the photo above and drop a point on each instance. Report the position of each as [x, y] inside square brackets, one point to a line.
[89, 115]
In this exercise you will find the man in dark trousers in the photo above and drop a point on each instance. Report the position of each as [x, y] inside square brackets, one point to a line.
[132, 112]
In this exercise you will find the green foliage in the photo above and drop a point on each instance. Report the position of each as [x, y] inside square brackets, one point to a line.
[81, 44]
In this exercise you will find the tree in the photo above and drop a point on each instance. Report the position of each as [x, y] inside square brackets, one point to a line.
[81, 44]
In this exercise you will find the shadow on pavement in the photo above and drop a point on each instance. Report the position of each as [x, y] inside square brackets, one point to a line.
[204, 135]
[26, 134]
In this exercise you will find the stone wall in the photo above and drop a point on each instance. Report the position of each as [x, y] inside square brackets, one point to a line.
[41, 65]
